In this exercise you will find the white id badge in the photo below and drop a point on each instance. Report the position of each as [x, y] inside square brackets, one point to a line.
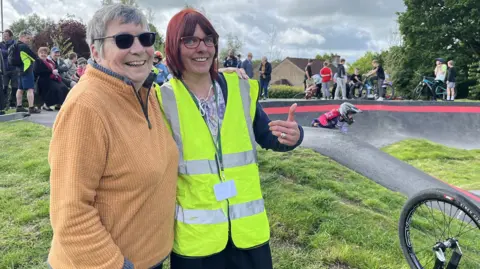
[225, 190]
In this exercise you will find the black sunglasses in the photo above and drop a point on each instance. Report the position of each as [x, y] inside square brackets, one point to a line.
[193, 42]
[125, 41]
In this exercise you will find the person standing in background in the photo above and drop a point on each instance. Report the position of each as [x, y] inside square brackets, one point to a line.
[265, 76]
[326, 74]
[247, 65]
[451, 79]
[341, 81]
[308, 74]
[230, 60]
[10, 74]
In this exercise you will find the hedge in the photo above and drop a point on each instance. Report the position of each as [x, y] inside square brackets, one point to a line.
[283, 91]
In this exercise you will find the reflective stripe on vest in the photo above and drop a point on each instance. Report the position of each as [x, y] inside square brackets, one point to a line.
[202, 223]
[198, 167]
[198, 216]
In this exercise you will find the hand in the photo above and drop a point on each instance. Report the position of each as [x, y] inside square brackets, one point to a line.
[55, 72]
[240, 71]
[289, 128]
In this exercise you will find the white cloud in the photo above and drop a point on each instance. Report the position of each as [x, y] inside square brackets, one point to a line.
[305, 27]
[299, 36]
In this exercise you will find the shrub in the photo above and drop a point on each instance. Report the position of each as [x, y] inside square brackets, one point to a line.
[283, 91]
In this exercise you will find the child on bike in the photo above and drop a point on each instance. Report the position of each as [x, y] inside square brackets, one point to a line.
[378, 74]
[340, 118]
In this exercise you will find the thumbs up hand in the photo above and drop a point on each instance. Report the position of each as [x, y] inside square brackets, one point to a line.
[287, 131]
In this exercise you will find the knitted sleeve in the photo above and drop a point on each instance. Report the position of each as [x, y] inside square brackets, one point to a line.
[77, 157]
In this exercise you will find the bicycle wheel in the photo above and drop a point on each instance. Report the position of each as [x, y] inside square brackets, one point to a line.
[361, 93]
[421, 234]
[388, 92]
[299, 96]
[418, 91]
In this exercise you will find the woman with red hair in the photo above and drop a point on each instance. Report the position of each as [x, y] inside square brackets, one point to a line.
[216, 122]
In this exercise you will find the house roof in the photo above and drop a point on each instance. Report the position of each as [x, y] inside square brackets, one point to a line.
[302, 63]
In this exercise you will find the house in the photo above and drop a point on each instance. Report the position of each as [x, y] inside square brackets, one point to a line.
[291, 71]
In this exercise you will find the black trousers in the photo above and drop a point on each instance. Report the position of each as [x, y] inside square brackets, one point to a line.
[3, 96]
[229, 258]
[10, 77]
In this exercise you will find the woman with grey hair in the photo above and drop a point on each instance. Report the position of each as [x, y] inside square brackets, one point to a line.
[113, 161]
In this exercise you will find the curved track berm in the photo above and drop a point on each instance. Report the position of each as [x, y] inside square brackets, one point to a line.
[382, 123]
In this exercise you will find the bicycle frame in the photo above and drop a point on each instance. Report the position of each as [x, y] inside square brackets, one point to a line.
[440, 260]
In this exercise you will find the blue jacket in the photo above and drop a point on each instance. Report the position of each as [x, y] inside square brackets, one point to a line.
[263, 135]
[248, 66]
[4, 45]
[162, 76]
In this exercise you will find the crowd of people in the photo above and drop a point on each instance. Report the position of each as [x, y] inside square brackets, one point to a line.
[44, 75]
[344, 86]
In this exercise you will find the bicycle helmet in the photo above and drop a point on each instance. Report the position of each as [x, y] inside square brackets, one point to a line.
[158, 55]
[347, 111]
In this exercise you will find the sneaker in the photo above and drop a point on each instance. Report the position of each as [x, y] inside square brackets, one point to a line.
[21, 109]
[323, 98]
[345, 98]
[34, 110]
[336, 98]
[380, 99]
[46, 108]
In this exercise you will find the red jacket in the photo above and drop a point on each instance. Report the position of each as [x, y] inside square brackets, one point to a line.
[326, 118]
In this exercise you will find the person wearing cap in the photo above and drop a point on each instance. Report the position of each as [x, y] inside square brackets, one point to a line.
[61, 67]
[82, 65]
[161, 68]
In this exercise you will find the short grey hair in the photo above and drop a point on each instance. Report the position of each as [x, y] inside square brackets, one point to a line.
[97, 26]
[25, 33]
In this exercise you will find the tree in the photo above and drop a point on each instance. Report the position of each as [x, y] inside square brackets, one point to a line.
[325, 56]
[68, 34]
[274, 52]
[233, 44]
[33, 23]
[364, 63]
[438, 28]
[76, 32]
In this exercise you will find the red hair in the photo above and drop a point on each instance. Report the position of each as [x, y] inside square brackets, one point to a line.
[184, 24]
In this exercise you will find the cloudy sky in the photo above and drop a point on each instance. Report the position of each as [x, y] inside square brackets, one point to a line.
[304, 27]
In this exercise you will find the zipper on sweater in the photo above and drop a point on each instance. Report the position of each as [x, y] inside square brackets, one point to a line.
[144, 107]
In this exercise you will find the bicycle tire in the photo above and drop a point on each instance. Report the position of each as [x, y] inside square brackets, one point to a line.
[415, 201]
[417, 92]
[393, 92]
[299, 96]
[361, 93]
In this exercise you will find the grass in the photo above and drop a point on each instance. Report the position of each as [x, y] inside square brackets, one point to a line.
[25, 231]
[322, 215]
[456, 166]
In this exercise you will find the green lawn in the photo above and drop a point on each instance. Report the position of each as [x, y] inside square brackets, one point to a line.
[322, 215]
[456, 166]
[25, 231]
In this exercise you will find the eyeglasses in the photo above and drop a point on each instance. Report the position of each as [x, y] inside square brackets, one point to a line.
[125, 41]
[192, 42]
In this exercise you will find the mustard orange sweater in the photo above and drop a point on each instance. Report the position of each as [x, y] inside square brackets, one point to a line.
[113, 179]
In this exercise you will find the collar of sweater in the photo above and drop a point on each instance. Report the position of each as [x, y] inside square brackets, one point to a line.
[117, 79]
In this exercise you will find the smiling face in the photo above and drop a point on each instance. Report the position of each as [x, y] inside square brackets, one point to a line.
[197, 60]
[134, 63]
[42, 54]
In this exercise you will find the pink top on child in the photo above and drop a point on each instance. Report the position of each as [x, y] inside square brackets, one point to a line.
[80, 71]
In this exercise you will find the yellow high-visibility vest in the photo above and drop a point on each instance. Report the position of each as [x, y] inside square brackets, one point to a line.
[203, 224]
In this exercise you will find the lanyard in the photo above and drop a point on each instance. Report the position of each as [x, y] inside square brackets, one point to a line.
[218, 143]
